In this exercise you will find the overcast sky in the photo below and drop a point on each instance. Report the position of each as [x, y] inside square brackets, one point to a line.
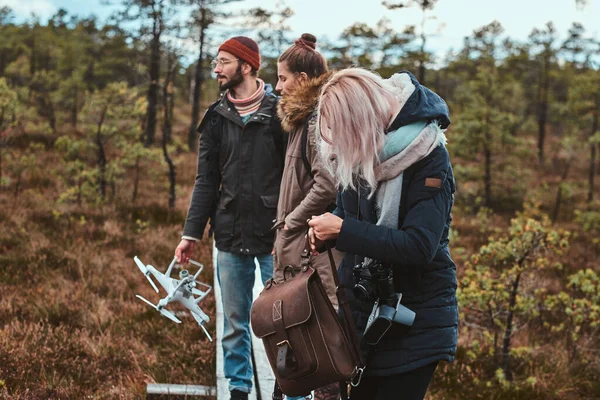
[458, 18]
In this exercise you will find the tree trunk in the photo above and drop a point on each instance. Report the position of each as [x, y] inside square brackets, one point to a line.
[154, 77]
[508, 331]
[46, 109]
[493, 326]
[487, 151]
[2, 64]
[79, 196]
[592, 173]
[113, 190]
[51, 115]
[422, 53]
[168, 105]
[89, 76]
[559, 192]
[543, 109]
[1, 144]
[74, 110]
[1, 165]
[101, 155]
[18, 185]
[136, 180]
[570, 345]
[32, 60]
[487, 179]
[197, 87]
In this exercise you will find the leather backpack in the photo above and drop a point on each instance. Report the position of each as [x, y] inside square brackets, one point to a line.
[307, 344]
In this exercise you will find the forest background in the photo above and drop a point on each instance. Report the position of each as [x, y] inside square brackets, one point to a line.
[98, 148]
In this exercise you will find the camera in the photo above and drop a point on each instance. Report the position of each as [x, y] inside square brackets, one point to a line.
[374, 281]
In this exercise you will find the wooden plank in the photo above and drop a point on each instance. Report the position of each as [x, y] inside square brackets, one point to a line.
[180, 390]
[222, 383]
[264, 374]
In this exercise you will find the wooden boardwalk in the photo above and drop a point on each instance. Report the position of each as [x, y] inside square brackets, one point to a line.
[264, 378]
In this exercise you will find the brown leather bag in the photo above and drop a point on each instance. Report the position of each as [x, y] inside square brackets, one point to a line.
[307, 345]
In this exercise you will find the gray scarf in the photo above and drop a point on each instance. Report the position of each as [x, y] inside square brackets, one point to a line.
[403, 147]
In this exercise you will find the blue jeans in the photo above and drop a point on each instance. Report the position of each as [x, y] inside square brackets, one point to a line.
[236, 278]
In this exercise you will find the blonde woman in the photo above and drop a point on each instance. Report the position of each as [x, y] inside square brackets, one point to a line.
[383, 142]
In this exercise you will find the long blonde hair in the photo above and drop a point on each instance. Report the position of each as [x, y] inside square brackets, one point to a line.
[355, 109]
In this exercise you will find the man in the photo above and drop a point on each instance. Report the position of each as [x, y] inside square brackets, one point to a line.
[240, 162]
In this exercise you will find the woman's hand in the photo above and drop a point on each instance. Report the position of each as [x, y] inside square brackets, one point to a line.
[323, 227]
[314, 242]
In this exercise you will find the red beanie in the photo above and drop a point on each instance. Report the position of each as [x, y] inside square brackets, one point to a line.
[244, 48]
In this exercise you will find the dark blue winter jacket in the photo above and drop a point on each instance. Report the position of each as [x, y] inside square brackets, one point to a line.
[417, 252]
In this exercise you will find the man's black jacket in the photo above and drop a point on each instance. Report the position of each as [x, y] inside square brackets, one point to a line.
[239, 173]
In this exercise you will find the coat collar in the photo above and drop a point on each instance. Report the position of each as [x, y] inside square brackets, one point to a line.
[295, 108]
[262, 115]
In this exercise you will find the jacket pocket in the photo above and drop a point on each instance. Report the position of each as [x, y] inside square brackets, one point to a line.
[224, 218]
[265, 215]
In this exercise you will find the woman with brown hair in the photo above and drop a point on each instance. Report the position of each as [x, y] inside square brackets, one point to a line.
[307, 189]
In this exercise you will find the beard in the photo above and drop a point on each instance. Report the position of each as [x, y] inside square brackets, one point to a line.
[233, 81]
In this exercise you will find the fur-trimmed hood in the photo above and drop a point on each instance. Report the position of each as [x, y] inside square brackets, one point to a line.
[295, 108]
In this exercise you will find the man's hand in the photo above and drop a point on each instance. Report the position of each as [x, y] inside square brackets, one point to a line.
[184, 250]
[323, 227]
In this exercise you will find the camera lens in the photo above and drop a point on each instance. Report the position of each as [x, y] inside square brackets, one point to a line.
[364, 290]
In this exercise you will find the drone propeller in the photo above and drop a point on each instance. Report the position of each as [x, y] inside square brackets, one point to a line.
[163, 311]
[145, 271]
[201, 323]
[146, 301]
[205, 331]
[169, 315]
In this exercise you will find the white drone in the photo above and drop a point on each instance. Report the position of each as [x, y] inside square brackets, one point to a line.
[181, 290]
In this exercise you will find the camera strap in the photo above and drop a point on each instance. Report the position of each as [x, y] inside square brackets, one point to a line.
[357, 217]
[347, 320]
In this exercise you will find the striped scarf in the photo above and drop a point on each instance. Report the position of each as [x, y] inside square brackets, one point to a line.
[248, 106]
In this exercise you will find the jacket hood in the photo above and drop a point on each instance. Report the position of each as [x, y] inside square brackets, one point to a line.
[418, 102]
[295, 108]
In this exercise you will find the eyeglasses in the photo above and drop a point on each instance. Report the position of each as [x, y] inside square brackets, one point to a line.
[221, 62]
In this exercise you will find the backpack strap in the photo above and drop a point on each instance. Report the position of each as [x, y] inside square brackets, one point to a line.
[277, 393]
[304, 144]
[210, 117]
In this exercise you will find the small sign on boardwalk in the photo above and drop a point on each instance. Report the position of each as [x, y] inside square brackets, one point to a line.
[180, 390]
